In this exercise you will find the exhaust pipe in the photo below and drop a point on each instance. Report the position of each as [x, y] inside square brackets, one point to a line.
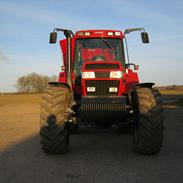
[68, 34]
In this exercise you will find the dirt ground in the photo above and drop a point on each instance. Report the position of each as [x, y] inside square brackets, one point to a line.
[19, 118]
[95, 155]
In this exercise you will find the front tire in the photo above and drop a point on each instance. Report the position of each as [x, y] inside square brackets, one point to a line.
[149, 127]
[54, 129]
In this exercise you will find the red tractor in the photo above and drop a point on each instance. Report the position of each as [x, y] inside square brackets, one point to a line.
[99, 88]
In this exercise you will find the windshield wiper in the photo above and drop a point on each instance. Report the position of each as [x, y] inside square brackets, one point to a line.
[107, 43]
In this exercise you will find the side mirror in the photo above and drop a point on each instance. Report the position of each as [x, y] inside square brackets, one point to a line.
[136, 67]
[53, 37]
[145, 37]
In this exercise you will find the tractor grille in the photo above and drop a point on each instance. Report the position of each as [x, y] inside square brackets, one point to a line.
[115, 103]
[101, 66]
[102, 87]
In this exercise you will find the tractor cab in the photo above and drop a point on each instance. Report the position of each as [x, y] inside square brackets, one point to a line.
[96, 53]
[93, 46]
[94, 62]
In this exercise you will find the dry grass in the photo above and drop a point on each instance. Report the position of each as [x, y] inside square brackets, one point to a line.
[19, 118]
[20, 99]
[171, 92]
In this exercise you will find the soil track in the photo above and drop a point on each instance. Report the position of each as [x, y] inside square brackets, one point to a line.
[95, 155]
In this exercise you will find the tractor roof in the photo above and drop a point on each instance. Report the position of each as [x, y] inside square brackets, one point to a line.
[99, 33]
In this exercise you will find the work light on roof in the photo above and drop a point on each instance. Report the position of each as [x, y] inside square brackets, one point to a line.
[87, 33]
[117, 33]
[80, 33]
[110, 34]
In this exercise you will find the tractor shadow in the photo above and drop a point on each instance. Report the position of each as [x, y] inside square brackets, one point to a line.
[26, 162]
[97, 156]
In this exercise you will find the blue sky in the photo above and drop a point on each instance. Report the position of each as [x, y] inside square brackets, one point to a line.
[25, 28]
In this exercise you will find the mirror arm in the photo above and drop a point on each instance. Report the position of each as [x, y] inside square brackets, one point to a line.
[67, 33]
[127, 31]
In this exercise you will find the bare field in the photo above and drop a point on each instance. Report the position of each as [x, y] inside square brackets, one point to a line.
[19, 118]
[171, 92]
[20, 99]
[95, 155]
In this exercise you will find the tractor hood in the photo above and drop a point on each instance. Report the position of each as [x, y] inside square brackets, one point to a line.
[102, 66]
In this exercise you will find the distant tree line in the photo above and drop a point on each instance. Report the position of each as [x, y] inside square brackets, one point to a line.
[33, 83]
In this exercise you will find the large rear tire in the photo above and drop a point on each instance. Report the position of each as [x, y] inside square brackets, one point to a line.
[149, 127]
[54, 129]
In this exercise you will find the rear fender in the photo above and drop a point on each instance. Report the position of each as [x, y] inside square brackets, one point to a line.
[58, 84]
[144, 85]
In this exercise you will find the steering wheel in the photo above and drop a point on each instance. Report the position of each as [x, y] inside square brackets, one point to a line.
[98, 58]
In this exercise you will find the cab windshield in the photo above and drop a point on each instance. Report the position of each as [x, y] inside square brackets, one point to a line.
[98, 49]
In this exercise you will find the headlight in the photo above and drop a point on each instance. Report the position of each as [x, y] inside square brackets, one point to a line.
[88, 75]
[116, 74]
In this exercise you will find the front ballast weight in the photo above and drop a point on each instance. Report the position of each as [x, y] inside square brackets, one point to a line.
[103, 108]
